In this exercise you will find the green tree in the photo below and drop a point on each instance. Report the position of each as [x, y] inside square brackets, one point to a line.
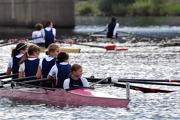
[112, 6]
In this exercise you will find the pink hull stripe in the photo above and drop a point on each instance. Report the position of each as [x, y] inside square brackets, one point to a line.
[81, 92]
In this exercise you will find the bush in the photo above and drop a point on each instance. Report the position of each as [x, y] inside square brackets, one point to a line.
[172, 9]
[119, 9]
[88, 9]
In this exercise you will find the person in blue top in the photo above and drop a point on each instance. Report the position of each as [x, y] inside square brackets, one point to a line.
[49, 34]
[112, 28]
[30, 61]
[61, 69]
[46, 63]
[17, 54]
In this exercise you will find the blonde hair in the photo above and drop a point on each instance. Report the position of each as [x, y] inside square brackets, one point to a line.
[51, 48]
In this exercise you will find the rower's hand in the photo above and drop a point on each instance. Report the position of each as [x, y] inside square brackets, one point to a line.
[113, 37]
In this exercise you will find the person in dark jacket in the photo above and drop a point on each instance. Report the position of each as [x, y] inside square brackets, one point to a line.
[112, 28]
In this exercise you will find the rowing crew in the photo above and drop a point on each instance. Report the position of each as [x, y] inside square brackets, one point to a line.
[26, 62]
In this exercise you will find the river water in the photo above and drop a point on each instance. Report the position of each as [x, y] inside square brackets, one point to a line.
[165, 27]
[145, 61]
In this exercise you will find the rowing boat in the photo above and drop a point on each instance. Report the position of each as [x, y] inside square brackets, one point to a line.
[60, 97]
[68, 50]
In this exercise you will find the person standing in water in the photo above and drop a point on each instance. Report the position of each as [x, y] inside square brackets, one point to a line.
[112, 28]
[49, 34]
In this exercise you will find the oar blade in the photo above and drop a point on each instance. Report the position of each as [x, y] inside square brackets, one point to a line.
[142, 89]
[110, 47]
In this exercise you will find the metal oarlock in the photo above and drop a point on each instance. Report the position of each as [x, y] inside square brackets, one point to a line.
[127, 90]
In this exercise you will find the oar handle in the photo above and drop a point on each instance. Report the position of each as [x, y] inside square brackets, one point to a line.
[2, 74]
[36, 81]
[8, 76]
[19, 79]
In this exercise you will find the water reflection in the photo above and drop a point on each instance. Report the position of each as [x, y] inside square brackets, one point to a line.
[138, 62]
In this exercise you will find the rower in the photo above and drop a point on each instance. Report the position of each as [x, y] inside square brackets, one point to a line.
[76, 80]
[46, 63]
[61, 69]
[16, 55]
[30, 61]
[112, 28]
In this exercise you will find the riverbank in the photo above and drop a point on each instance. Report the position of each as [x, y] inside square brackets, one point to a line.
[132, 8]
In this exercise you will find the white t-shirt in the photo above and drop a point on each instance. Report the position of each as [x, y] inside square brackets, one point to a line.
[36, 34]
[67, 82]
[10, 63]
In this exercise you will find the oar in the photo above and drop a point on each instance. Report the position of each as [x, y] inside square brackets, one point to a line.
[107, 47]
[19, 79]
[36, 81]
[144, 82]
[16, 41]
[2, 74]
[92, 79]
[142, 89]
[108, 78]
[131, 33]
[6, 44]
[96, 32]
[152, 80]
[8, 76]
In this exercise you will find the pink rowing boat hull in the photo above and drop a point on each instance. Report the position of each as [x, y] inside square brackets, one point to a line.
[59, 97]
